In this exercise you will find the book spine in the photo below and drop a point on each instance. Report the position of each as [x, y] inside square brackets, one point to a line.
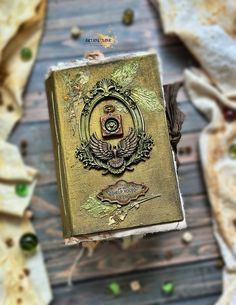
[58, 153]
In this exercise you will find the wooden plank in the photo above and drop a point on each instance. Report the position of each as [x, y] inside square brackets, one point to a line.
[128, 38]
[104, 18]
[188, 148]
[162, 250]
[198, 211]
[74, 8]
[191, 282]
[90, 13]
[205, 300]
[191, 179]
[194, 120]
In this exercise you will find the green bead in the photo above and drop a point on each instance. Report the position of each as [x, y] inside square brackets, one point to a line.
[167, 287]
[128, 16]
[26, 53]
[115, 288]
[232, 151]
[22, 189]
[28, 242]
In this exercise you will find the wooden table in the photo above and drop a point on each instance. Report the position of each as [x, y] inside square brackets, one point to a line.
[154, 260]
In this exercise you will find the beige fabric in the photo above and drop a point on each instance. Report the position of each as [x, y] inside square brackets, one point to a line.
[32, 289]
[219, 169]
[12, 171]
[208, 30]
[229, 287]
[12, 204]
[21, 24]
[11, 164]
[15, 71]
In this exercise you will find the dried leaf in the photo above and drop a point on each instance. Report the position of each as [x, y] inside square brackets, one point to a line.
[124, 74]
[97, 209]
[147, 99]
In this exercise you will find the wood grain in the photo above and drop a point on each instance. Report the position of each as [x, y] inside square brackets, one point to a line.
[150, 253]
[190, 283]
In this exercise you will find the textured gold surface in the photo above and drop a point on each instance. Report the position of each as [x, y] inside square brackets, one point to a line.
[78, 185]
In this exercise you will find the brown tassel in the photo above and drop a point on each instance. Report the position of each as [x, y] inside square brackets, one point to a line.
[175, 117]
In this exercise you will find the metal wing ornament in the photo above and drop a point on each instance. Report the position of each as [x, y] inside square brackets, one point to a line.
[116, 155]
[127, 146]
[99, 154]
[101, 149]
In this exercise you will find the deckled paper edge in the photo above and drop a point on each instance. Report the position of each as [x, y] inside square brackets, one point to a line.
[180, 225]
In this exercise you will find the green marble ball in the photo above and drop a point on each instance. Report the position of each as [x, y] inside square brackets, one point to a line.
[26, 54]
[28, 242]
[22, 189]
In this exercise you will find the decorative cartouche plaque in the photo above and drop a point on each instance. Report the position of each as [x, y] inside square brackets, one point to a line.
[114, 162]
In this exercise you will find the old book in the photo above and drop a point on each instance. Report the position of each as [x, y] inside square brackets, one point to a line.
[115, 167]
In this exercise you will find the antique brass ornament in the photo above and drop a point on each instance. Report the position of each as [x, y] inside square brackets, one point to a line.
[122, 192]
[99, 154]
[111, 124]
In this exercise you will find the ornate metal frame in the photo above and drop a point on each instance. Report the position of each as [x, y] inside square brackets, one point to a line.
[102, 90]
[108, 88]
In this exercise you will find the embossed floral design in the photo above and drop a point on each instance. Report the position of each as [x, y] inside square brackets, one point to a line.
[142, 152]
[75, 88]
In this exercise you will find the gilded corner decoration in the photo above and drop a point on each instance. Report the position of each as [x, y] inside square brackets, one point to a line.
[100, 154]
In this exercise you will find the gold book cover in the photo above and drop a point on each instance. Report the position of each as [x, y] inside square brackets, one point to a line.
[115, 168]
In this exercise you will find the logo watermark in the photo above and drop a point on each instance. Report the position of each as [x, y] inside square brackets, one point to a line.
[100, 39]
